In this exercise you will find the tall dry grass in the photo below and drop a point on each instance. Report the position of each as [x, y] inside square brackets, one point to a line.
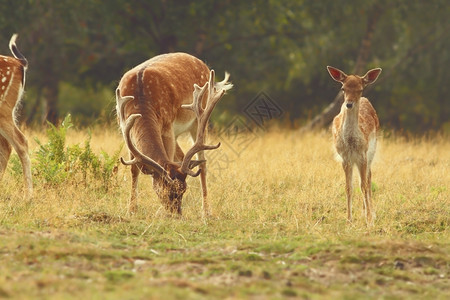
[275, 183]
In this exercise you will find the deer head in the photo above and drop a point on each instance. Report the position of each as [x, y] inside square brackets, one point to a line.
[353, 85]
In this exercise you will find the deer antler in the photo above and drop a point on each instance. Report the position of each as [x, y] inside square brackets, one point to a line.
[126, 125]
[215, 92]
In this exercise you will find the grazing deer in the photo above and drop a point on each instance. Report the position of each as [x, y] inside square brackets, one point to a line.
[355, 131]
[157, 101]
[12, 83]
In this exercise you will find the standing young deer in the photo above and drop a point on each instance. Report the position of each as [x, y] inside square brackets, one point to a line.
[355, 131]
[157, 101]
[12, 83]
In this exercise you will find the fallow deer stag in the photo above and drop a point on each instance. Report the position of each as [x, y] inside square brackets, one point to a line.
[157, 101]
[355, 131]
[12, 83]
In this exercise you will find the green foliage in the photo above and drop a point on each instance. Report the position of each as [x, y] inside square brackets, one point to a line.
[55, 163]
[87, 105]
[15, 167]
[281, 47]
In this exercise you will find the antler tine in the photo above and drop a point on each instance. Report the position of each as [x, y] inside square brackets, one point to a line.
[127, 136]
[196, 106]
[224, 84]
[139, 157]
[203, 115]
[121, 101]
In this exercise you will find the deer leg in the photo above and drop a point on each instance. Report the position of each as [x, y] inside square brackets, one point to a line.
[205, 204]
[364, 206]
[20, 145]
[170, 143]
[365, 189]
[132, 204]
[5, 152]
[18, 141]
[369, 202]
[348, 169]
[201, 156]
[179, 154]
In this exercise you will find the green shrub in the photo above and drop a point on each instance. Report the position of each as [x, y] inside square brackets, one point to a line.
[54, 162]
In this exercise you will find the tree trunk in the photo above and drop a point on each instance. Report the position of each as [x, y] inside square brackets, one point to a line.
[327, 115]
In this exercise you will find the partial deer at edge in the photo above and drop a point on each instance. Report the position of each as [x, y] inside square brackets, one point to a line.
[355, 131]
[12, 84]
[157, 101]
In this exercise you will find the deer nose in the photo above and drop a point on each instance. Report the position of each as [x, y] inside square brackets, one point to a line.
[349, 105]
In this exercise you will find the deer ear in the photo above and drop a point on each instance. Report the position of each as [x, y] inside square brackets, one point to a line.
[336, 74]
[371, 76]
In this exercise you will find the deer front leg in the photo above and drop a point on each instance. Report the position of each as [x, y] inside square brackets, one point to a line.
[170, 144]
[201, 157]
[371, 213]
[179, 155]
[132, 204]
[205, 204]
[348, 169]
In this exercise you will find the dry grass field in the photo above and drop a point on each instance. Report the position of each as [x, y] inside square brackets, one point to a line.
[278, 228]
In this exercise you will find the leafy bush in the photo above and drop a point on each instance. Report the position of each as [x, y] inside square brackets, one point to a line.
[55, 163]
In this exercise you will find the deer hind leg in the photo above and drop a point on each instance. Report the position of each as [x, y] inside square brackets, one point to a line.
[20, 144]
[370, 157]
[348, 169]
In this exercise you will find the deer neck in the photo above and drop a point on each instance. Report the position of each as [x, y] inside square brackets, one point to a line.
[351, 120]
[148, 138]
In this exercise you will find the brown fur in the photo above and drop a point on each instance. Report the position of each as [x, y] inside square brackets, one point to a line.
[167, 83]
[355, 131]
[159, 87]
[12, 82]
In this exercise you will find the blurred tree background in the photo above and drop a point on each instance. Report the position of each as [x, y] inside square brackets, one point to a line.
[78, 51]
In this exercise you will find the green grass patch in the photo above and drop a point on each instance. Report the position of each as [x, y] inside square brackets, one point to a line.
[273, 234]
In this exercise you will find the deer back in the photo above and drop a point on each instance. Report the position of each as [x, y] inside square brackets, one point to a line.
[159, 87]
[12, 79]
